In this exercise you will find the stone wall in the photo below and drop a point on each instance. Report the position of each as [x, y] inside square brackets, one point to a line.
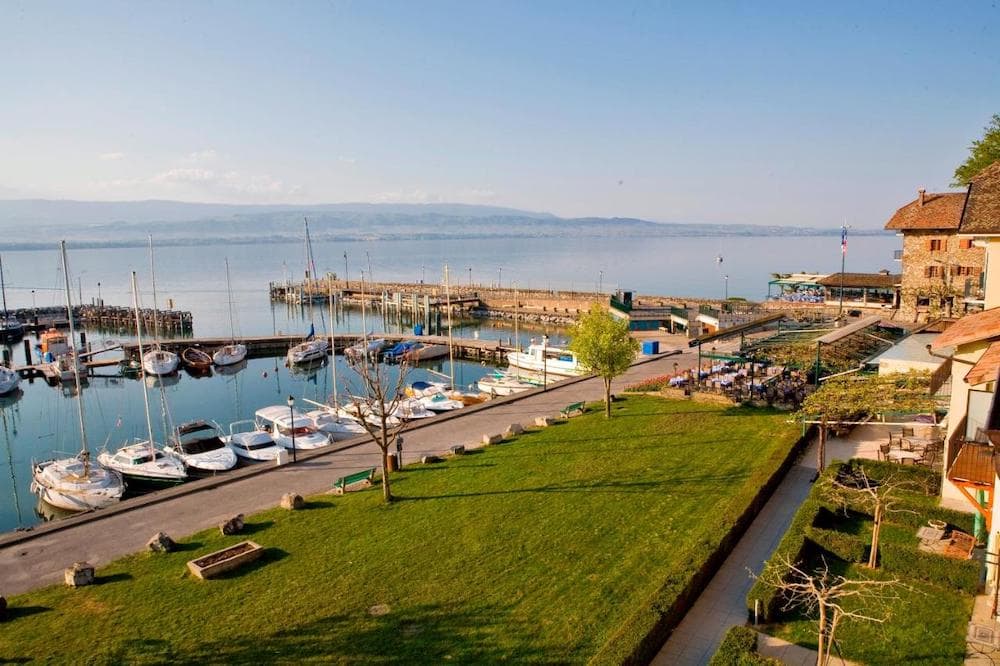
[952, 260]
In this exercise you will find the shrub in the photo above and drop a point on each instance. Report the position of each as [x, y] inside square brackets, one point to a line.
[847, 547]
[912, 563]
[739, 648]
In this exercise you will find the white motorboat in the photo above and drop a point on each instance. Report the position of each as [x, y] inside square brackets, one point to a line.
[310, 350]
[160, 362]
[286, 426]
[360, 410]
[8, 380]
[77, 483]
[546, 360]
[500, 384]
[412, 409]
[230, 354]
[199, 444]
[424, 352]
[362, 348]
[440, 402]
[336, 424]
[250, 443]
[142, 462]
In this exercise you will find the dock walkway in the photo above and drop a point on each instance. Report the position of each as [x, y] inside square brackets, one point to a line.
[29, 560]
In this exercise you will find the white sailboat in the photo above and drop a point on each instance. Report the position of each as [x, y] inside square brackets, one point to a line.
[157, 361]
[139, 461]
[312, 348]
[77, 483]
[234, 352]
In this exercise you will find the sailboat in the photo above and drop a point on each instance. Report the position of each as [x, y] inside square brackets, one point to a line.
[11, 329]
[157, 361]
[8, 380]
[311, 348]
[77, 483]
[234, 352]
[140, 461]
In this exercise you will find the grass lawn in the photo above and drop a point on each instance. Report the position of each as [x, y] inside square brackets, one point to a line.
[536, 550]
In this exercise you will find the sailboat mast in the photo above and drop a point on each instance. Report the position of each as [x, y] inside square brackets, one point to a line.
[76, 361]
[138, 337]
[451, 348]
[364, 325]
[517, 338]
[229, 290]
[333, 351]
[3, 290]
[156, 312]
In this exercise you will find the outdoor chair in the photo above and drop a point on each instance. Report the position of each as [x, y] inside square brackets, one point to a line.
[884, 449]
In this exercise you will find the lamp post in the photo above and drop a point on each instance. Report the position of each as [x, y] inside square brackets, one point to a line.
[600, 282]
[98, 293]
[33, 308]
[545, 363]
[291, 423]
[347, 281]
[470, 276]
[726, 292]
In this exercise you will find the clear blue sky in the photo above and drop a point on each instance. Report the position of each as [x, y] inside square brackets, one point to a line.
[793, 113]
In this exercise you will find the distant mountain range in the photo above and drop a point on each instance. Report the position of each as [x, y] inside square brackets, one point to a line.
[36, 223]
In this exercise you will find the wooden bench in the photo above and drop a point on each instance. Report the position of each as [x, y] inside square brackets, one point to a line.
[364, 476]
[575, 407]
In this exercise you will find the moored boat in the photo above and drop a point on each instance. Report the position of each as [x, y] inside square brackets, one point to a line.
[424, 352]
[196, 359]
[160, 362]
[546, 360]
[143, 463]
[502, 384]
[8, 380]
[310, 350]
[290, 428]
[234, 352]
[200, 446]
[251, 443]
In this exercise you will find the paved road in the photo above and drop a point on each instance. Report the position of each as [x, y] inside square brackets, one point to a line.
[40, 560]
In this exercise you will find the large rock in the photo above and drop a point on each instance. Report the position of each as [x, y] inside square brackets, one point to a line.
[232, 526]
[457, 450]
[544, 421]
[80, 574]
[492, 439]
[161, 543]
[514, 429]
[292, 501]
[428, 459]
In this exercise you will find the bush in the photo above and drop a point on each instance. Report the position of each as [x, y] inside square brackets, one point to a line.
[847, 547]
[739, 648]
[909, 562]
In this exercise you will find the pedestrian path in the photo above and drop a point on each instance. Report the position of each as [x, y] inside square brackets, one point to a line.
[722, 604]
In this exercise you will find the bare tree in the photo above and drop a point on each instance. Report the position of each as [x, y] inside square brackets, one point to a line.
[375, 397]
[831, 598]
[854, 488]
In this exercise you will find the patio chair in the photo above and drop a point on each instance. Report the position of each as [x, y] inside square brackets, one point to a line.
[883, 450]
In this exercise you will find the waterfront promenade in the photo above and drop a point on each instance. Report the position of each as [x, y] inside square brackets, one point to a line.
[40, 559]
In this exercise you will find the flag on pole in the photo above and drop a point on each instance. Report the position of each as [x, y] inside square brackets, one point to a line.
[843, 239]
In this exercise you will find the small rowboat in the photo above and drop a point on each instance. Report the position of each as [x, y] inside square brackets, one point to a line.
[196, 359]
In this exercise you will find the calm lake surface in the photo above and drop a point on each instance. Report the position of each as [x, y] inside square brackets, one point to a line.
[42, 420]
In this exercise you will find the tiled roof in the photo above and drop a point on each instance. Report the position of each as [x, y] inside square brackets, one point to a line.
[939, 211]
[983, 325]
[986, 368]
[857, 280]
[982, 212]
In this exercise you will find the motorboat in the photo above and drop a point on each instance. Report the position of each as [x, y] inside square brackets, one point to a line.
[8, 380]
[398, 351]
[336, 423]
[440, 402]
[422, 389]
[160, 362]
[310, 350]
[363, 349]
[500, 384]
[195, 359]
[76, 484]
[424, 352]
[142, 462]
[65, 368]
[546, 360]
[230, 354]
[287, 426]
[436, 396]
[412, 409]
[52, 343]
[249, 442]
[200, 445]
[361, 410]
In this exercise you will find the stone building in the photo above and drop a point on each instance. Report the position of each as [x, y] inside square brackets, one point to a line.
[941, 272]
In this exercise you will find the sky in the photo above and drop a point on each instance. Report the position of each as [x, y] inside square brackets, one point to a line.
[791, 113]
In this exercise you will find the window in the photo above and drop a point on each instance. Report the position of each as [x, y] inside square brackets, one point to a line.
[924, 302]
[935, 245]
[932, 271]
[964, 243]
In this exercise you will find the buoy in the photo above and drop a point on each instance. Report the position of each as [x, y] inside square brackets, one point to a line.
[264, 374]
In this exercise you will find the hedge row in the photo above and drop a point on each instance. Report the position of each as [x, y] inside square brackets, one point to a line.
[739, 648]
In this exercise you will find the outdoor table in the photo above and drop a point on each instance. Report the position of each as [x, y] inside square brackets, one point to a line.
[903, 456]
[921, 443]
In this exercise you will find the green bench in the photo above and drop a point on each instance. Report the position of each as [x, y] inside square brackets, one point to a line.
[575, 407]
[364, 476]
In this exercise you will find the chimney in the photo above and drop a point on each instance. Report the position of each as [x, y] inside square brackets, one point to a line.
[920, 195]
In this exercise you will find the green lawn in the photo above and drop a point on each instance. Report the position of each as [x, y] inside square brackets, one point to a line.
[537, 550]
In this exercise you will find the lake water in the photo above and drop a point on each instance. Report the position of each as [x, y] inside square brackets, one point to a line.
[42, 420]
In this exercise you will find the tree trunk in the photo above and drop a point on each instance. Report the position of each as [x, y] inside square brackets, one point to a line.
[607, 397]
[821, 638]
[876, 529]
[384, 447]
[821, 448]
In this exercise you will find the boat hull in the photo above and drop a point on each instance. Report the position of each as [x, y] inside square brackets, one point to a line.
[230, 355]
[307, 351]
[160, 363]
[65, 485]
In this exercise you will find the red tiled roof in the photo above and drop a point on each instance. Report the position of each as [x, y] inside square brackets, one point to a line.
[982, 212]
[939, 211]
[858, 280]
[986, 368]
[970, 328]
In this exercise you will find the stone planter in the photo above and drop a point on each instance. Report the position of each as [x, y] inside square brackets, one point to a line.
[227, 559]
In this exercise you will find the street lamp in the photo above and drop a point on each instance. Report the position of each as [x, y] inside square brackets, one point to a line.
[98, 293]
[600, 282]
[291, 422]
[726, 278]
[347, 281]
[470, 276]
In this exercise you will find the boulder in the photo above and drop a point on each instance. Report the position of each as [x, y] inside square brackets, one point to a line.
[292, 501]
[80, 574]
[232, 526]
[427, 460]
[492, 439]
[161, 543]
[544, 421]
[514, 429]
[457, 450]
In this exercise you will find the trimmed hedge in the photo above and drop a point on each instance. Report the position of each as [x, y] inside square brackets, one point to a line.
[907, 560]
[739, 648]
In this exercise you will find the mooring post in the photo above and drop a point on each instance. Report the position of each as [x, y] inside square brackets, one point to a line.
[27, 351]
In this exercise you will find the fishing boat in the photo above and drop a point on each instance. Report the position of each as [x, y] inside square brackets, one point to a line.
[288, 426]
[197, 360]
[59, 357]
[76, 483]
[142, 462]
[249, 442]
[234, 352]
[157, 361]
[546, 360]
[11, 329]
[199, 445]
[8, 380]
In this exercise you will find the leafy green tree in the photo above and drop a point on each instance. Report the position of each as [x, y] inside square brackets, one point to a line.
[982, 153]
[603, 344]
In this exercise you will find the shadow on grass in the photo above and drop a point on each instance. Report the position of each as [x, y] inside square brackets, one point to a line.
[16, 612]
[185, 546]
[254, 528]
[113, 578]
[426, 634]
